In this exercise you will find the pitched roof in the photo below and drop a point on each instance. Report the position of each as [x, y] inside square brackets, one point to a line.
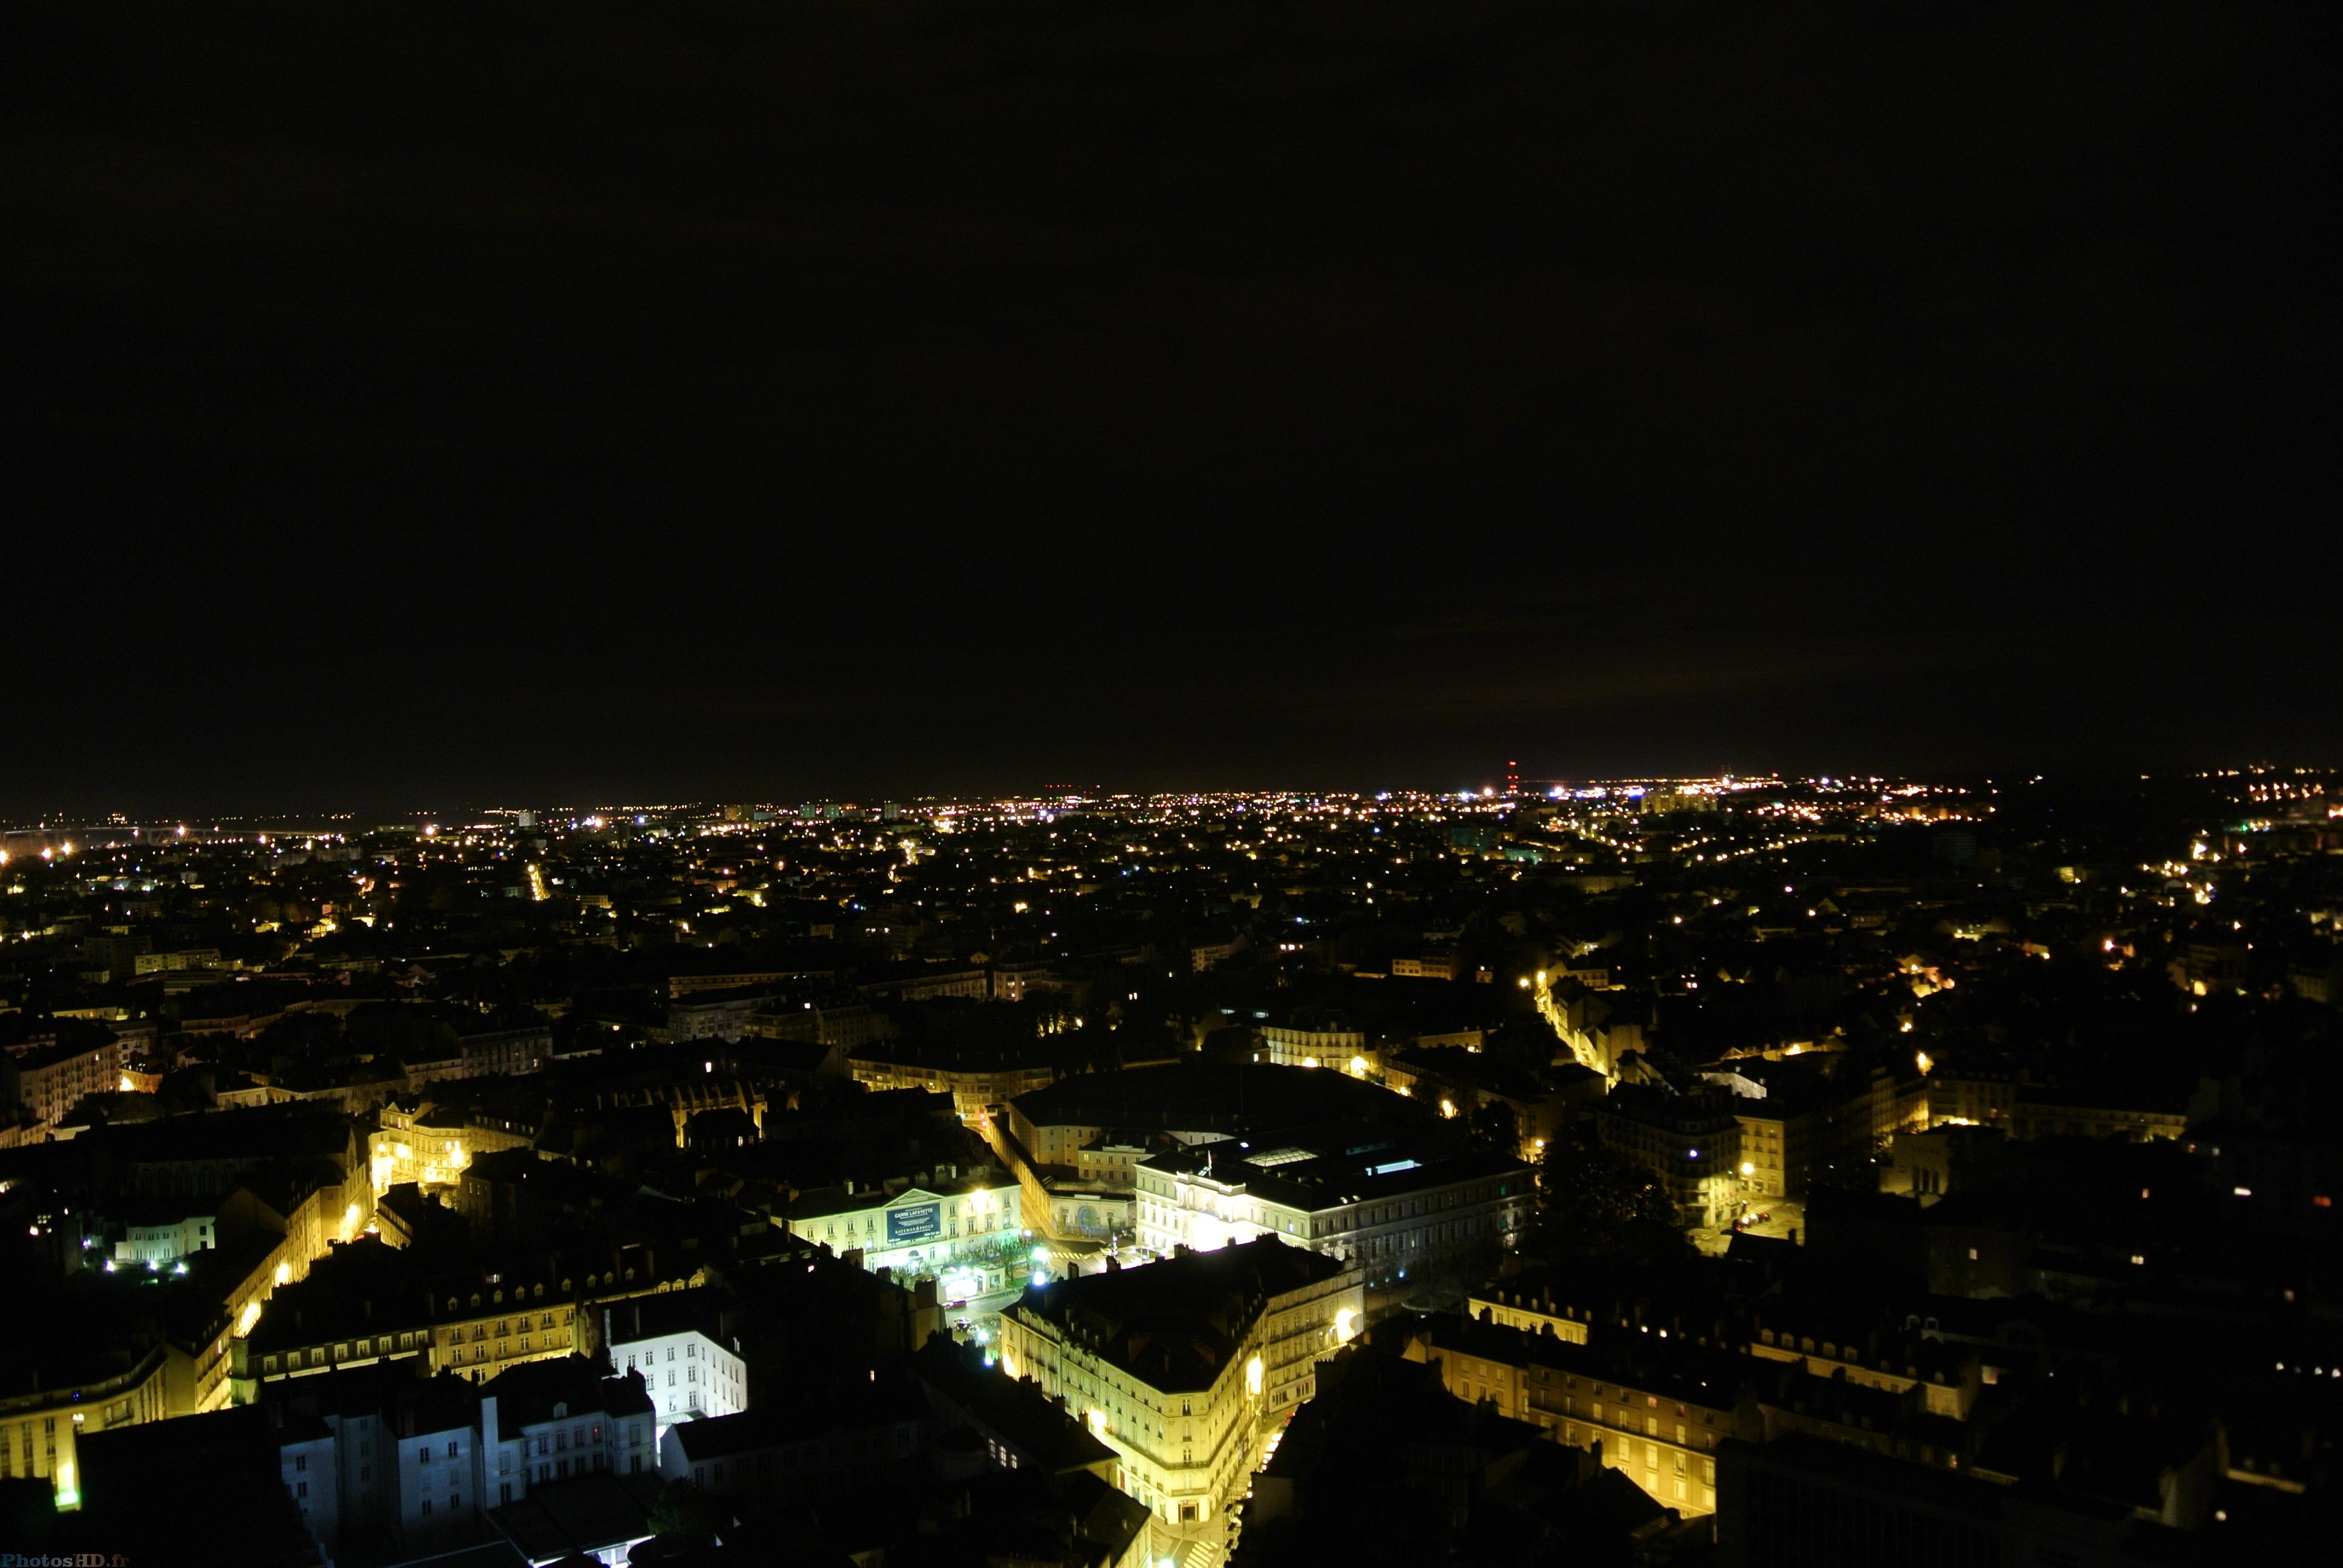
[535, 1393]
[703, 1310]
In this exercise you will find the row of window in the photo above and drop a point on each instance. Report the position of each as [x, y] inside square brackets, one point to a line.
[379, 1345]
[504, 1326]
[536, 1292]
[977, 1224]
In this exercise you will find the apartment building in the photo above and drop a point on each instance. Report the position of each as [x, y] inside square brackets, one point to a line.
[679, 1342]
[1183, 1366]
[1655, 1407]
[1396, 1208]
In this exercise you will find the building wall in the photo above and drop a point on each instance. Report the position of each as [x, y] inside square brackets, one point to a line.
[687, 1375]
[165, 1245]
[1697, 1161]
[1664, 1444]
[1286, 1047]
[429, 1156]
[578, 1442]
[2034, 1120]
[507, 1052]
[1385, 1236]
[479, 1348]
[480, 1340]
[1187, 1454]
[312, 1479]
[1983, 1101]
[1090, 1213]
[1519, 1311]
[852, 1461]
[438, 1481]
[48, 1089]
[975, 1091]
[39, 1429]
[970, 1225]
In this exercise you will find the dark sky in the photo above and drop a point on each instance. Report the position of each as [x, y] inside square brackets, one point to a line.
[468, 401]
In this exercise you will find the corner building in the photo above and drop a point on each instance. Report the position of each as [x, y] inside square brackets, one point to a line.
[1185, 1367]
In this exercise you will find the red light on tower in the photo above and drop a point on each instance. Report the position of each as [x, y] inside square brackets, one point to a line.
[1513, 777]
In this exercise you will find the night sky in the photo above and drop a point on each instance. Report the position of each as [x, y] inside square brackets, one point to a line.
[433, 403]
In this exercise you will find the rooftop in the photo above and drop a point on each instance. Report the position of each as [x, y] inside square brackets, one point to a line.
[535, 1393]
[1207, 1097]
[705, 1310]
[1174, 1324]
[1305, 1178]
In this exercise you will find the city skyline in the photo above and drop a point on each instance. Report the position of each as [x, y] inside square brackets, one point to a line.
[1179, 1167]
[617, 812]
[1193, 784]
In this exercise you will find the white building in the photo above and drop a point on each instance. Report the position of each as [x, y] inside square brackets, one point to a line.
[679, 1345]
[549, 1421]
[917, 1232]
[384, 1455]
[50, 1079]
[163, 1240]
[416, 1461]
[1390, 1210]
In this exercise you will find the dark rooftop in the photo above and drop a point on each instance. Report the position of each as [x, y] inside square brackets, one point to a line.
[1174, 1323]
[1205, 1097]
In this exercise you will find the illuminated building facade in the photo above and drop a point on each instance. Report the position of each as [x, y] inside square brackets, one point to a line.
[549, 1421]
[1397, 1207]
[1184, 1367]
[1320, 1043]
[40, 1425]
[1518, 1307]
[159, 1240]
[370, 1302]
[1657, 1407]
[49, 1079]
[1016, 981]
[975, 1086]
[690, 1368]
[918, 1231]
[1806, 1114]
[398, 1459]
[1070, 1144]
[420, 1145]
[505, 1053]
[375, 1454]
[1535, 1104]
[1690, 1143]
